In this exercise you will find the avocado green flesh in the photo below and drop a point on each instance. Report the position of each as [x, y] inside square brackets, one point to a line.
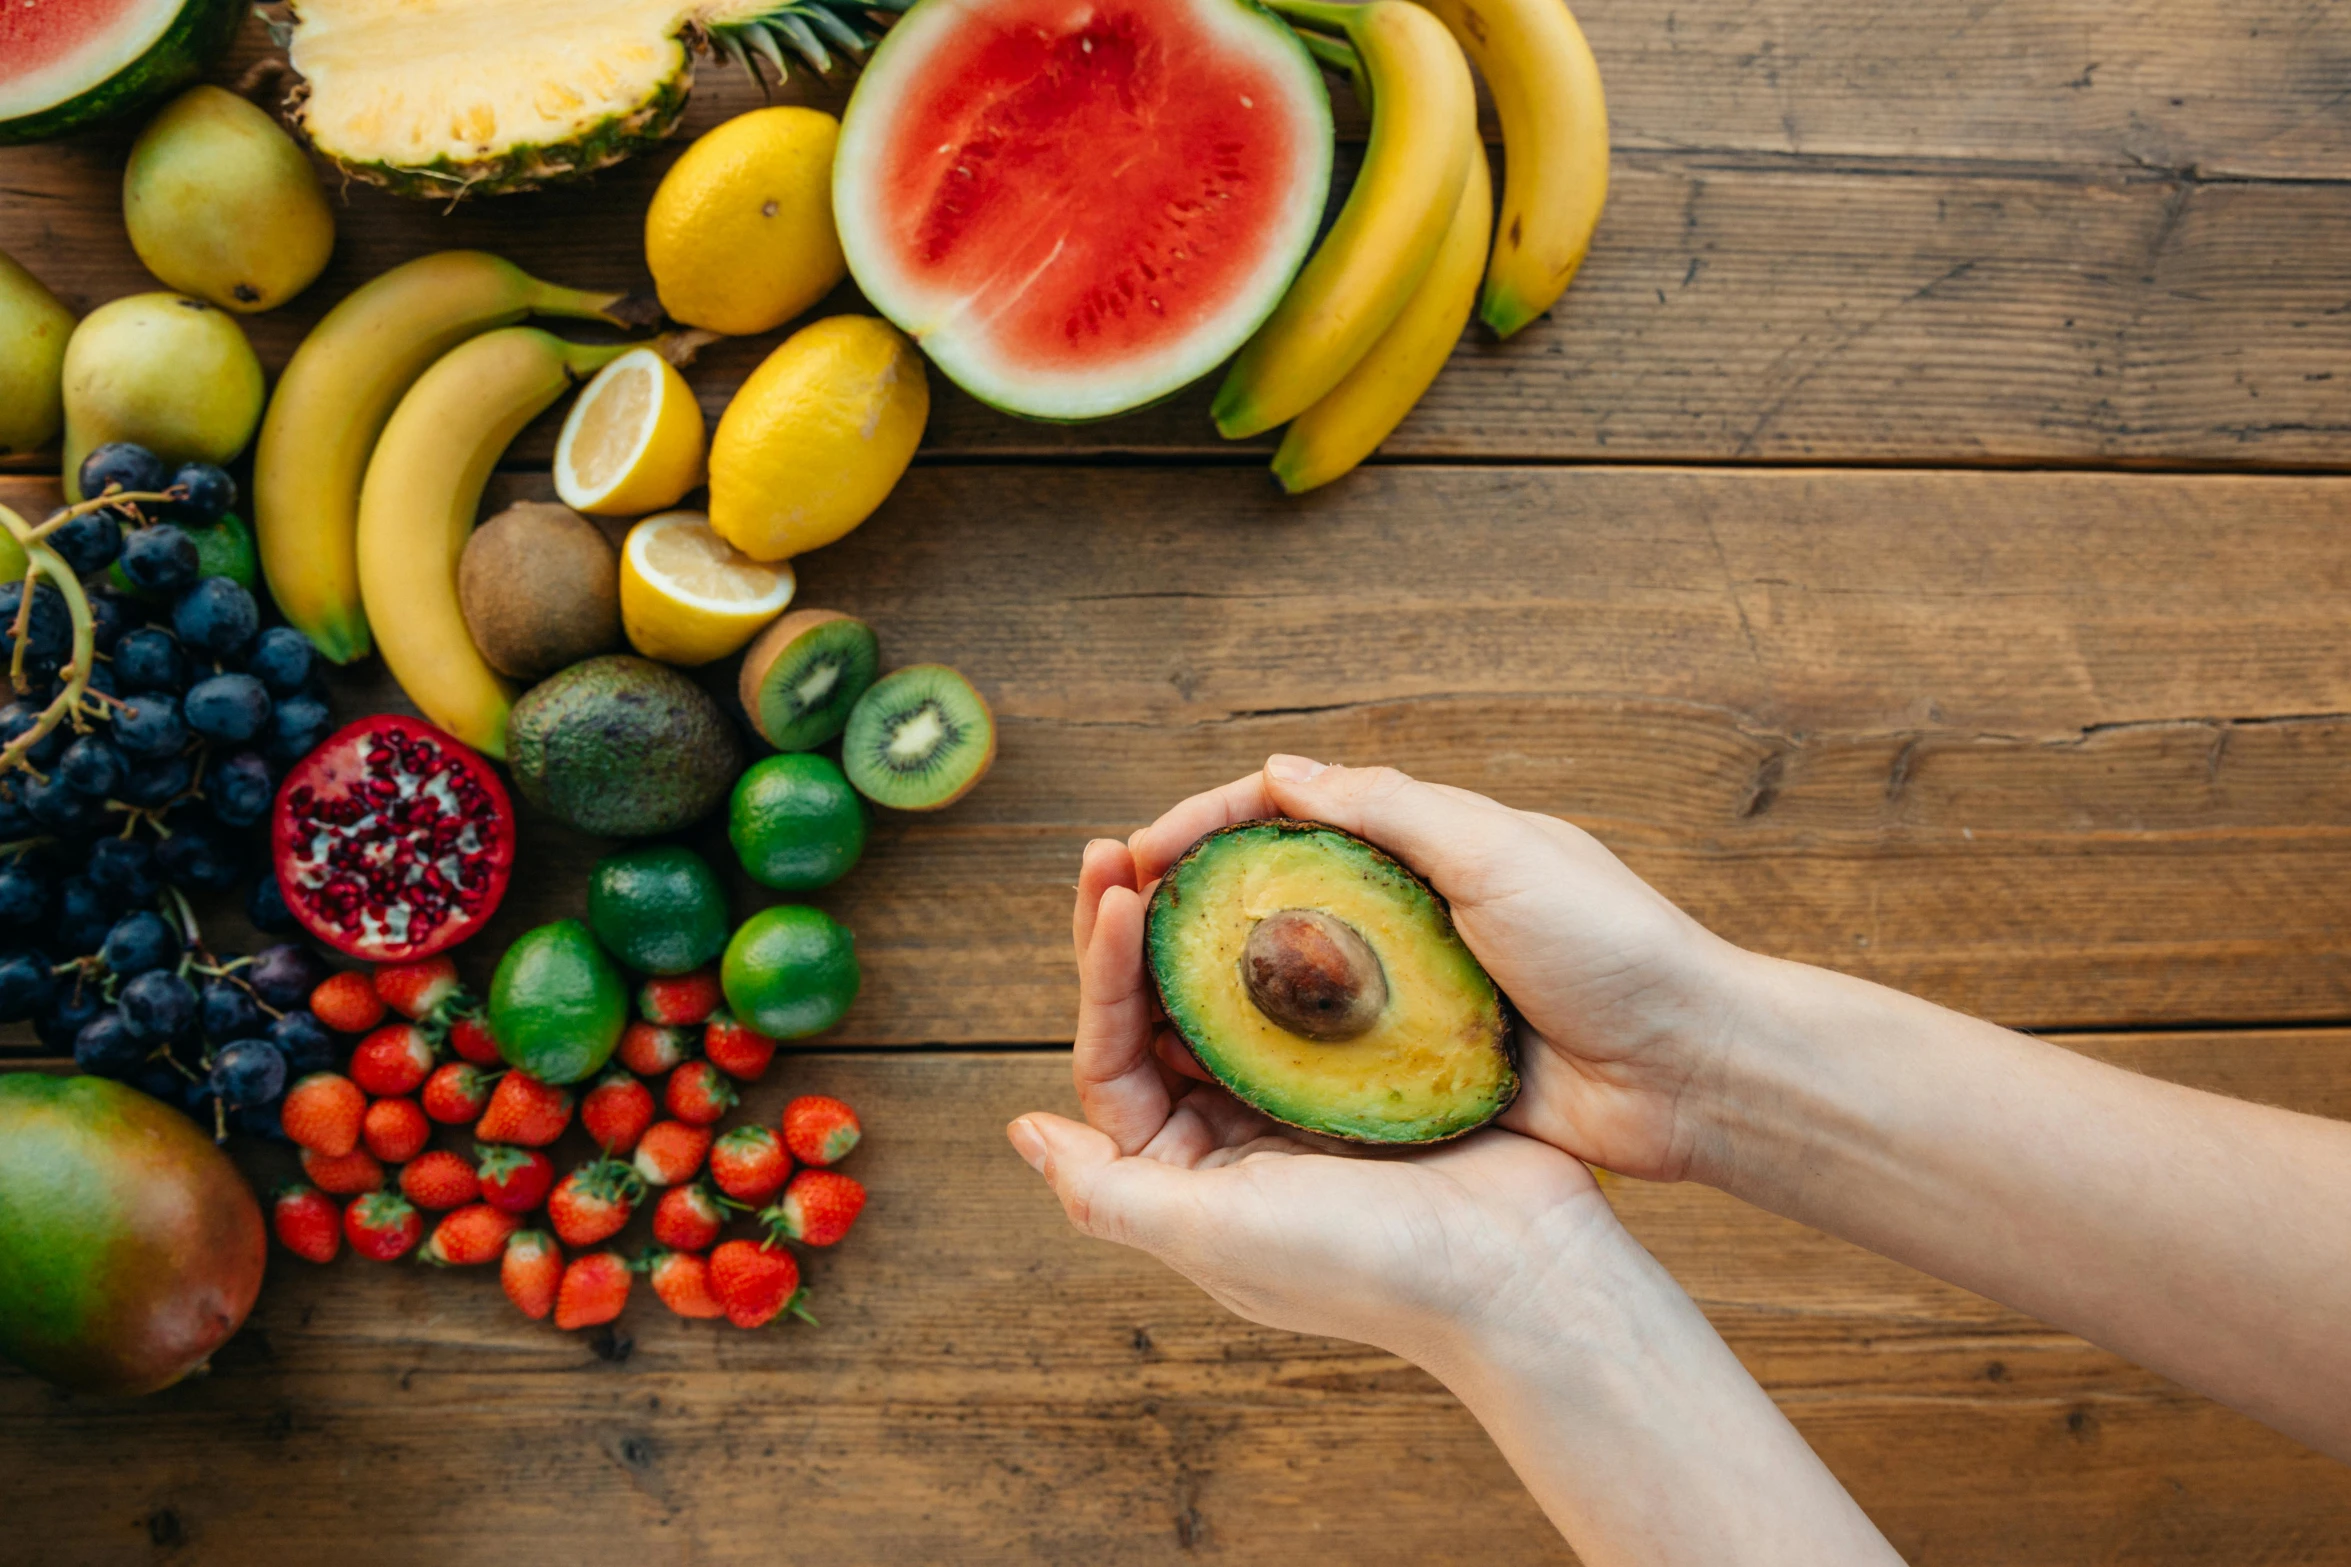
[1435, 1064]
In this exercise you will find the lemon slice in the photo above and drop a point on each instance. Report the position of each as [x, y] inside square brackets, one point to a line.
[687, 596]
[633, 442]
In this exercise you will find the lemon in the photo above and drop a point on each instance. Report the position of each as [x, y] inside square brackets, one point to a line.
[687, 597]
[633, 442]
[740, 235]
[817, 437]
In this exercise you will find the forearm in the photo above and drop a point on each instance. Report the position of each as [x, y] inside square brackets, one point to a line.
[2206, 1238]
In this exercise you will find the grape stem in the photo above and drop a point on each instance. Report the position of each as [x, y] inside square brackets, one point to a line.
[42, 561]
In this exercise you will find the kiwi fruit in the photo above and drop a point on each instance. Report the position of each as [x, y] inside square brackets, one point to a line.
[540, 588]
[919, 738]
[805, 673]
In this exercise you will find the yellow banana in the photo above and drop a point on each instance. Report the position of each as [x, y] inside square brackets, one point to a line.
[1423, 123]
[331, 405]
[1352, 418]
[417, 506]
[1555, 140]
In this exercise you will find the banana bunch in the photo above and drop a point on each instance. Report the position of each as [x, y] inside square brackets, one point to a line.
[1376, 311]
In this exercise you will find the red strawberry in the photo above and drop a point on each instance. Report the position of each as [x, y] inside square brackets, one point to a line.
[470, 1038]
[456, 1093]
[688, 1218]
[515, 1179]
[323, 1113]
[755, 1281]
[682, 1280]
[736, 1050]
[649, 1050]
[594, 1201]
[671, 1151]
[440, 1181]
[471, 1235]
[392, 1060]
[307, 1223]
[530, 1270]
[594, 1289]
[417, 990]
[680, 998]
[818, 1207]
[616, 1112]
[346, 1175]
[749, 1164]
[524, 1110]
[347, 1003]
[698, 1093]
[395, 1130]
[381, 1226]
[820, 1131]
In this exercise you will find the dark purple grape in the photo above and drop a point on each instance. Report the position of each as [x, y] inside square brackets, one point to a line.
[123, 466]
[159, 559]
[265, 909]
[147, 659]
[107, 1047]
[216, 616]
[149, 726]
[283, 976]
[158, 1005]
[210, 494]
[248, 1072]
[26, 984]
[231, 709]
[283, 659]
[140, 942]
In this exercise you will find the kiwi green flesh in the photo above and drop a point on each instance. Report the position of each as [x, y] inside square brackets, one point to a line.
[807, 694]
[919, 739]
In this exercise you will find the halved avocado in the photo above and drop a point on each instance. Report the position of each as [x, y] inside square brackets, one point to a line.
[1324, 983]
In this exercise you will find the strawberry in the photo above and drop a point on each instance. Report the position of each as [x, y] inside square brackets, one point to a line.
[418, 990]
[471, 1235]
[381, 1226]
[346, 1175]
[688, 1218]
[671, 1151]
[456, 1093]
[529, 1271]
[323, 1112]
[440, 1181]
[594, 1201]
[680, 998]
[698, 1093]
[818, 1207]
[682, 1280]
[749, 1164]
[470, 1038]
[649, 1050]
[307, 1223]
[392, 1060]
[524, 1110]
[594, 1289]
[736, 1050]
[616, 1112]
[395, 1130]
[347, 1003]
[515, 1179]
[820, 1131]
[755, 1281]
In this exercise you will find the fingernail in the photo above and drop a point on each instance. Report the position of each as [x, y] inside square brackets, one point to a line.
[1293, 769]
[1027, 1143]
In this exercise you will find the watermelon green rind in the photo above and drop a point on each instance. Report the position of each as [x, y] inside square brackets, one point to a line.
[190, 45]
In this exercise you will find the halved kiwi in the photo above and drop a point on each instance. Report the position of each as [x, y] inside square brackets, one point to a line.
[805, 673]
[919, 739]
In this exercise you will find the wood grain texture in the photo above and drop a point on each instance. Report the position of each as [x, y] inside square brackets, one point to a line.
[989, 1387]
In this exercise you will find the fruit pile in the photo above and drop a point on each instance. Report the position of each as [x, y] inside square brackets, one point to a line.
[372, 1174]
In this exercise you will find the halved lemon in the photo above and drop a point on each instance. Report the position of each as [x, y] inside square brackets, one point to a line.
[687, 596]
[633, 442]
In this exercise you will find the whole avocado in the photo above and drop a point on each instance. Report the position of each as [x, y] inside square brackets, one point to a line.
[622, 747]
[130, 1248]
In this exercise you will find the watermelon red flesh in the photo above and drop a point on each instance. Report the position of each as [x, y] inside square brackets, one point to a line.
[65, 64]
[1077, 209]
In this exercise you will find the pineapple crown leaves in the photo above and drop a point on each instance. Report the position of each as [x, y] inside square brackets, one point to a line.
[761, 30]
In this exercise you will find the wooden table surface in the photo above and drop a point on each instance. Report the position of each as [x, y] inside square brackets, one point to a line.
[1918, 543]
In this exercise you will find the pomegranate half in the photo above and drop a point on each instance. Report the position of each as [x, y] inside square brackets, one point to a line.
[392, 841]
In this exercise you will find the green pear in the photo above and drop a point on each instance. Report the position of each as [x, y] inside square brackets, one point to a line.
[33, 330]
[221, 203]
[172, 374]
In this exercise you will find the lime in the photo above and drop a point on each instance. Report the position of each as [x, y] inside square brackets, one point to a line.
[557, 1005]
[791, 971]
[795, 822]
[660, 910]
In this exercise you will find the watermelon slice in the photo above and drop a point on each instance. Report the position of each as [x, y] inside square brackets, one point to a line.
[1078, 208]
[67, 64]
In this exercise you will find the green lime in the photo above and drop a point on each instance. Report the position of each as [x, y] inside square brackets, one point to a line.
[660, 909]
[795, 822]
[557, 1005]
[791, 971]
[223, 550]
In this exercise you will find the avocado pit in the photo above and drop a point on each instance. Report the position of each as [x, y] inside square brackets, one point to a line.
[1313, 974]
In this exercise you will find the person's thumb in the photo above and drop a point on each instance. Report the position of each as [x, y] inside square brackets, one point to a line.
[1133, 1201]
[1433, 830]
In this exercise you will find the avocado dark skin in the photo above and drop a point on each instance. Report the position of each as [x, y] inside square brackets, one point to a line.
[622, 747]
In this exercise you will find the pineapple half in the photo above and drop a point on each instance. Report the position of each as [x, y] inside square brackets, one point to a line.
[449, 98]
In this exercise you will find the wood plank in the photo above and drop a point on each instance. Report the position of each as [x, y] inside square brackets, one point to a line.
[2065, 750]
[989, 1387]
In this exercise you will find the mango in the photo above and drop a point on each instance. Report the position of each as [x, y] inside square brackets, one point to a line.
[171, 373]
[221, 204]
